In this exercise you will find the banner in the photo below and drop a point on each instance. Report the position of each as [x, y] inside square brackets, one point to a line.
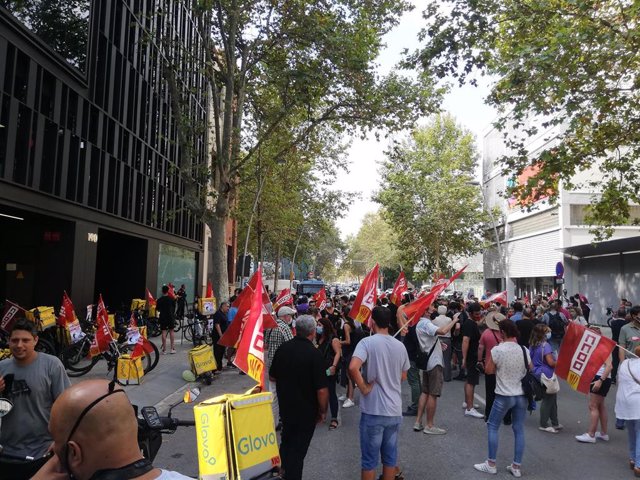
[12, 311]
[103, 336]
[284, 298]
[581, 355]
[398, 289]
[321, 299]
[500, 297]
[366, 298]
[415, 309]
[250, 353]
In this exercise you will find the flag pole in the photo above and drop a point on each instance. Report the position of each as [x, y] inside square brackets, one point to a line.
[628, 351]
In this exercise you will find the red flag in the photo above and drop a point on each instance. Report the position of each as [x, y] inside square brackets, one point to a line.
[581, 355]
[526, 300]
[150, 300]
[554, 295]
[103, 336]
[500, 297]
[67, 314]
[209, 290]
[321, 299]
[284, 298]
[142, 346]
[172, 291]
[9, 316]
[415, 309]
[133, 323]
[366, 298]
[250, 354]
[398, 289]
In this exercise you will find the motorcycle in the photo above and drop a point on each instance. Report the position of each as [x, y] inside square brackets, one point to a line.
[151, 426]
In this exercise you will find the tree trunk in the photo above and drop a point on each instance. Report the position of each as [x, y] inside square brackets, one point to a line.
[219, 270]
[276, 270]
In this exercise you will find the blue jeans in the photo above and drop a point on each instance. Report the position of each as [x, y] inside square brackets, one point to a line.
[633, 433]
[501, 405]
[379, 438]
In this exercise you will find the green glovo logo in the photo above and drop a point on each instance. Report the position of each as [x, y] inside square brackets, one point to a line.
[254, 444]
[205, 451]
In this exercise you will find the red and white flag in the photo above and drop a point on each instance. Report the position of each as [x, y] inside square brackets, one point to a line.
[366, 298]
[284, 298]
[415, 309]
[141, 347]
[581, 355]
[321, 299]
[150, 300]
[554, 295]
[209, 290]
[250, 352]
[67, 314]
[172, 291]
[500, 297]
[398, 289]
[103, 336]
[9, 316]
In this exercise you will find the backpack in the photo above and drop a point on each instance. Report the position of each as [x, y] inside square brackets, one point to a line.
[556, 325]
[356, 335]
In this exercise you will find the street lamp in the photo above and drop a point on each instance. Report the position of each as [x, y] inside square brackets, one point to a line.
[486, 208]
[263, 179]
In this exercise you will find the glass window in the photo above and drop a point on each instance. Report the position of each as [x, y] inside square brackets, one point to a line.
[64, 26]
[178, 266]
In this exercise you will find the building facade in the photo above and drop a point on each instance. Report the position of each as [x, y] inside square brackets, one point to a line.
[91, 195]
[530, 242]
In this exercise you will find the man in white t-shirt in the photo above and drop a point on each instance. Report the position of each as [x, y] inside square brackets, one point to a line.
[385, 363]
[433, 377]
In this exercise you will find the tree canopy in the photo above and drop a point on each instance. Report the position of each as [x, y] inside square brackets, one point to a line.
[428, 196]
[568, 66]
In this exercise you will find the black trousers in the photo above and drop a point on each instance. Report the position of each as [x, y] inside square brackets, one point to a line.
[218, 353]
[296, 437]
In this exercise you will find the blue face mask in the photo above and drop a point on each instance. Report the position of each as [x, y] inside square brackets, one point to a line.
[319, 330]
[548, 335]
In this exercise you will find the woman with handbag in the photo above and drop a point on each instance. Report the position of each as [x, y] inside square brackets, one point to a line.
[628, 406]
[544, 364]
[511, 363]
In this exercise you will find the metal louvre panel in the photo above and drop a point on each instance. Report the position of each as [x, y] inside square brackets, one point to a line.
[534, 256]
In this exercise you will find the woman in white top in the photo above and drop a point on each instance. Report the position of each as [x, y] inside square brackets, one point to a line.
[628, 406]
[510, 362]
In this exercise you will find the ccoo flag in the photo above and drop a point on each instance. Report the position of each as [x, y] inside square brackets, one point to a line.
[321, 299]
[582, 353]
[366, 298]
[284, 298]
[67, 315]
[398, 289]
[103, 336]
[500, 297]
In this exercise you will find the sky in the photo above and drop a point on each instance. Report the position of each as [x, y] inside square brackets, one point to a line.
[466, 104]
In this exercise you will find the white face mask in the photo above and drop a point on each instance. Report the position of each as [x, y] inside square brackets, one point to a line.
[548, 335]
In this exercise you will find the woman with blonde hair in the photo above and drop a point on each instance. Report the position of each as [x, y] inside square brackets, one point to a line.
[544, 362]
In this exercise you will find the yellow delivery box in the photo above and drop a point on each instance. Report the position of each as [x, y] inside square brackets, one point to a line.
[47, 317]
[130, 370]
[202, 360]
[236, 437]
[207, 306]
[138, 304]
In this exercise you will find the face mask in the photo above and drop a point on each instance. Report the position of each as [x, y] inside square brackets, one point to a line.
[548, 335]
[319, 330]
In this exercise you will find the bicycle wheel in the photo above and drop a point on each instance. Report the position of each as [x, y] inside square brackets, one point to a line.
[188, 332]
[149, 360]
[76, 360]
[153, 327]
[45, 345]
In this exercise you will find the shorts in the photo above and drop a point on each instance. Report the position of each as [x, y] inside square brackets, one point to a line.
[379, 439]
[604, 388]
[473, 375]
[167, 324]
[432, 381]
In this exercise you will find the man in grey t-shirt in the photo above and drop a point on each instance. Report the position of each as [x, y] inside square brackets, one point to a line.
[31, 381]
[386, 363]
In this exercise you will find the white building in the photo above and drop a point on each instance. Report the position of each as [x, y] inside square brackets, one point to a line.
[531, 243]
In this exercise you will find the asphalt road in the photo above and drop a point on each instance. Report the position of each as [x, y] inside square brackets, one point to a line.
[336, 454]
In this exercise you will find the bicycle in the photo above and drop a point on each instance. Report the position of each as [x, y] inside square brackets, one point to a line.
[198, 331]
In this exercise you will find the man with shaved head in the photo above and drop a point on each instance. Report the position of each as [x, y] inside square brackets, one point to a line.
[95, 437]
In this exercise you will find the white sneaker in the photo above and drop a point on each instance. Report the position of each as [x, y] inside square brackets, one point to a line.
[548, 429]
[514, 471]
[342, 398]
[434, 431]
[349, 403]
[464, 405]
[485, 467]
[473, 413]
[586, 438]
[600, 436]
[417, 427]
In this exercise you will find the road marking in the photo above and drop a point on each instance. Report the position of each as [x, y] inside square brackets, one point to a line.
[480, 400]
[163, 405]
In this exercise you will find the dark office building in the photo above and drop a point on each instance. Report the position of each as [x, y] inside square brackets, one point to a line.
[91, 200]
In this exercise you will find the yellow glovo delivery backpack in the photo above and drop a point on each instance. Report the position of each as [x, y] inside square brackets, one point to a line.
[236, 437]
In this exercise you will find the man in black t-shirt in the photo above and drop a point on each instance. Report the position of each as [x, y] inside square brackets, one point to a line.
[301, 384]
[220, 322]
[166, 307]
[470, 340]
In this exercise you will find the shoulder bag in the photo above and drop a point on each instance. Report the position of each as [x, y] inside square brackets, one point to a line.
[530, 384]
[422, 358]
[551, 385]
